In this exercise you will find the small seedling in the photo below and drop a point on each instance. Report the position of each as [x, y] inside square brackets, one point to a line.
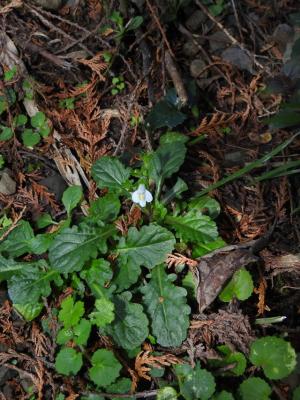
[2, 161]
[118, 85]
[68, 104]
[135, 120]
[120, 29]
[10, 74]
[107, 56]
[28, 90]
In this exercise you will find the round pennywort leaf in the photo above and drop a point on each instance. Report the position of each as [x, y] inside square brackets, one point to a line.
[68, 361]
[254, 389]
[276, 356]
[105, 369]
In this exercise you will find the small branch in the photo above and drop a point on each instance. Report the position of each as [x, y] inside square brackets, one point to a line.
[237, 19]
[55, 28]
[176, 78]
[141, 395]
[14, 225]
[20, 371]
[159, 27]
[227, 33]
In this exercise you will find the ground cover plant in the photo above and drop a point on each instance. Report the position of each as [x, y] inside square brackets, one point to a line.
[149, 243]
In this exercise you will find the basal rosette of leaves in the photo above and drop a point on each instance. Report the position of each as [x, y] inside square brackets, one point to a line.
[115, 265]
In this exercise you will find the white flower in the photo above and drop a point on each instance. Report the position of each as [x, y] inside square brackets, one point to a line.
[141, 196]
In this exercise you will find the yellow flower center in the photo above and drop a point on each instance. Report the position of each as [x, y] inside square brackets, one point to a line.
[142, 196]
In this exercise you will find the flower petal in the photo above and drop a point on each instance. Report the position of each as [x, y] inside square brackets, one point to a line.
[135, 197]
[141, 188]
[148, 196]
[142, 203]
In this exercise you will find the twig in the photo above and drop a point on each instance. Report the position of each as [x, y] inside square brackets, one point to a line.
[237, 19]
[14, 225]
[176, 78]
[20, 371]
[124, 128]
[83, 38]
[186, 32]
[49, 24]
[140, 395]
[9, 7]
[64, 20]
[159, 27]
[233, 40]
[46, 54]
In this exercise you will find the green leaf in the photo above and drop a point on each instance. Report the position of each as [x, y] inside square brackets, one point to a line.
[166, 160]
[68, 362]
[104, 313]
[216, 9]
[121, 386]
[2, 163]
[30, 284]
[3, 105]
[29, 311]
[167, 393]
[276, 356]
[20, 120]
[189, 283]
[223, 396]
[134, 23]
[117, 18]
[82, 332]
[175, 192]
[167, 306]
[64, 336]
[9, 267]
[38, 120]
[194, 227]
[173, 137]
[195, 383]
[127, 275]
[18, 241]
[164, 114]
[40, 243]
[70, 312]
[44, 220]
[130, 327]
[44, 131]
[230, 357]
[71, 198]
[92, 397]
[106, 208]
[284, 119]
[206, 205]
[100, 272]
[254, 389]
[110, 173]
[249, 167]
[60, 396]
[10, 73]
[106, 368]
[296, 393]
[78, 285]
[74, 246]
[200, 249]
[11, 95]
[6, 134]
[147, 247]
[240, 286]
[30, 138]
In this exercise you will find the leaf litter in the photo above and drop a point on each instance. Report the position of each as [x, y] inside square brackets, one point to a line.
[79, 43]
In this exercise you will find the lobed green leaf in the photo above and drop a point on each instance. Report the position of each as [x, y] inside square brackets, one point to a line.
[167, 307]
